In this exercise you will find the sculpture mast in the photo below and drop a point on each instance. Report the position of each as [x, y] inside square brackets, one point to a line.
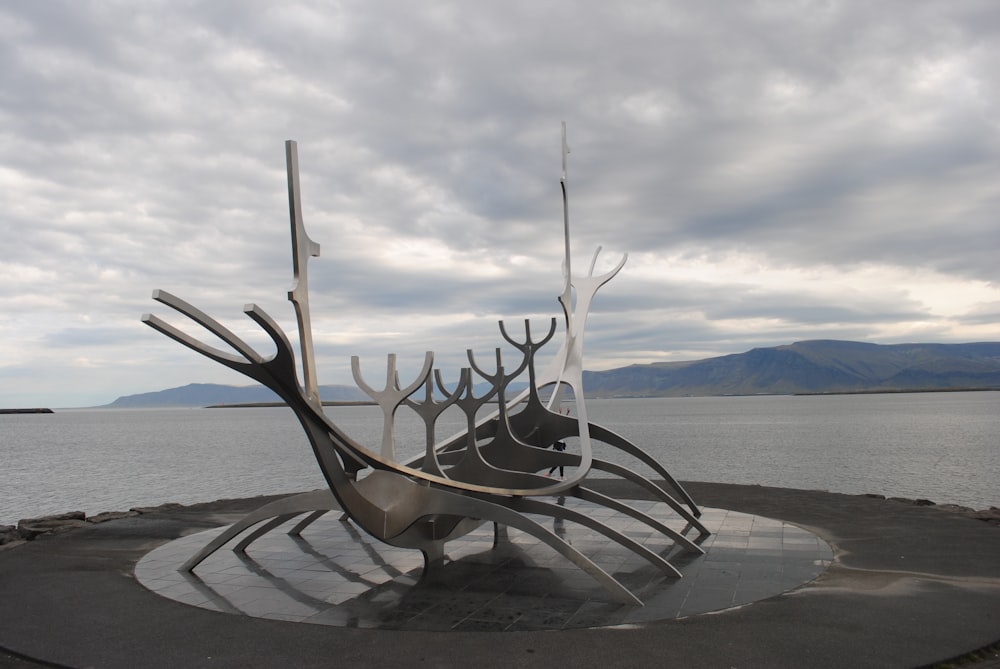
[566, 299]
[567, 269]
[302, 249]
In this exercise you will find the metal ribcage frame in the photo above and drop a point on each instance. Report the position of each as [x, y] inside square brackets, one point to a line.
[396, 504]
[487, 473]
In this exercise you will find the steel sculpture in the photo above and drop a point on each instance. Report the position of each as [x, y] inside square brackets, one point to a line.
[489, 472]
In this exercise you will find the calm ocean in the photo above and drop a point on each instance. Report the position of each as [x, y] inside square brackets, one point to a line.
[940, 446]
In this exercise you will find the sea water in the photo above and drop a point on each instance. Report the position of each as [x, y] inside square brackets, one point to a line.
[939, 446]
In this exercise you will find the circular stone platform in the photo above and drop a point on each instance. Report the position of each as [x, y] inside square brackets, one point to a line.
[335, 575]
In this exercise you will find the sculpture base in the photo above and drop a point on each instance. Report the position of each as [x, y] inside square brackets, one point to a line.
[333, 575]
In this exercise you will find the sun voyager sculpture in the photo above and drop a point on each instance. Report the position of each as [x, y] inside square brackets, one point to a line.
[493, 471]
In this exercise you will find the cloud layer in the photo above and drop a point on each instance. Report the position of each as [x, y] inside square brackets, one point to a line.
[777, 170]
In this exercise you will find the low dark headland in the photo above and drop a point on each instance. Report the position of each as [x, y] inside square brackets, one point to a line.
[265, 405]
[36, 410]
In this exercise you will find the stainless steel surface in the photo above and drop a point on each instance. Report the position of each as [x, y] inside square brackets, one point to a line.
[391, 396]
[302, 249]
[490, 472]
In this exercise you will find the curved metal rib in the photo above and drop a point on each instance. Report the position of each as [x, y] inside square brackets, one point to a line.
[529, 505]
[261, 530]
[439, 501]
[658, 492]
[616, 440]
[589, 495]
[311, 518]
[288, 506]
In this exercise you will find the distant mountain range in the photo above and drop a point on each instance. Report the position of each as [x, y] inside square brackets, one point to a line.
[209, 394]
[820, 366]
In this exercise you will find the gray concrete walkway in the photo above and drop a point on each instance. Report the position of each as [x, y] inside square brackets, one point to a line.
[910, 586]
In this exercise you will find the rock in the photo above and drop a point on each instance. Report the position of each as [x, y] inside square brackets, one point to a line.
[8, 534]
[111, 515]
[169, 506]
[70, 515]
[956, 508]
[29, 528]
[914, 502]
[873, 495]
[31, 531]
[990, 515]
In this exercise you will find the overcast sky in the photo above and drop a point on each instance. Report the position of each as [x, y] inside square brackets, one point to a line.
[777, 171]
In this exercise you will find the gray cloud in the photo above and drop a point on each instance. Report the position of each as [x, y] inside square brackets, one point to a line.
[842, 155]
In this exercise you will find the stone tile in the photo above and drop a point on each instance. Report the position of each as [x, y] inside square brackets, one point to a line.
[335, 575]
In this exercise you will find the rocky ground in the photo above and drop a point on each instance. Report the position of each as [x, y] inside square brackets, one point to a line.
[28, 529]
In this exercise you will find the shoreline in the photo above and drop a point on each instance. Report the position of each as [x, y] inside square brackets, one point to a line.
[342, 403]
[73, 600]
[29, 529]
[901, 391]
